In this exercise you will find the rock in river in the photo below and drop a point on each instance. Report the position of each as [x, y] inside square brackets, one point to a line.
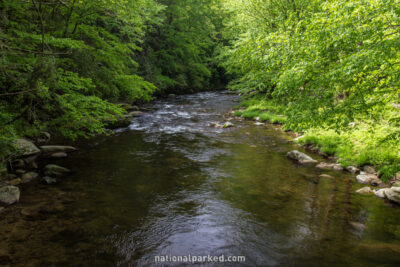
[368, 178]
[55, 170]
[9, 194]
[393, 194]
[228, 124]
[29, 176]
[352, 169]
[381, 193]
[25, 148]
[330, 166]
[364, 190]
[48, 180]
[56, 149]
[301, 157]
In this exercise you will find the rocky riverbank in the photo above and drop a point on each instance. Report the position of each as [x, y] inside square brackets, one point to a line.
[366, 175]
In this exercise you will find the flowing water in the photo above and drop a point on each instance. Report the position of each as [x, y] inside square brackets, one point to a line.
[171, 184]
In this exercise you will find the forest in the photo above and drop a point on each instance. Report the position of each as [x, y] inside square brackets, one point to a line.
[328, 69]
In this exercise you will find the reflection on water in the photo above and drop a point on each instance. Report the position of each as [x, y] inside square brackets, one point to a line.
[172, 185]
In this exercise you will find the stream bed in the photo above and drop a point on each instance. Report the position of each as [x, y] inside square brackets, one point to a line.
[170, 184]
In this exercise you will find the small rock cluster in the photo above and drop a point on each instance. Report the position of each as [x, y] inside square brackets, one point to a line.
[368, 176]
[24, 168]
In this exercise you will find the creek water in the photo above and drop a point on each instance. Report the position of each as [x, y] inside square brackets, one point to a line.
[170, 184]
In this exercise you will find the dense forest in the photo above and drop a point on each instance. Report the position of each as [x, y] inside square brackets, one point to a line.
[327, 68]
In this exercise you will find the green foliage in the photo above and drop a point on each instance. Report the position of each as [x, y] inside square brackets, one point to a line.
[272, 118]
[324, 65]
[63, 63]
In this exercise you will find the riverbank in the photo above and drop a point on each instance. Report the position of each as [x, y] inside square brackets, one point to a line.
[361, 148]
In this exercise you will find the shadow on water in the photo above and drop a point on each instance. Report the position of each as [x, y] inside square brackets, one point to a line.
[172, 185]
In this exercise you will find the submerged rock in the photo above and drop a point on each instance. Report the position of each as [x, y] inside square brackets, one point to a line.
[56, 149]
[59, 155]
[55, 170]
[301, 157]
[25, 148]
[216, 125]
[330, 166]
[48, 180]
[29, 176]
[393, 194]
[352, 169]
[364, 190]
[326, 176]
[9, 194]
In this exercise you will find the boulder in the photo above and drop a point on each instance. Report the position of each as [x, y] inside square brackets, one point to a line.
[259, 123]
[9, 194]
[59, 155]
[25, 148]
[14, 182]
[369, 169]
[31, 162]
[135, 113]
[29, 176]
[216, 125]
[55, 170]
[367, 178]
[330, 166]
[352, 169]
[120, 122]
[301, 157]
[326, 176]
[393, 194]
[56, 149]
[381, 193]
[228, 124]
[364, 190]
[48, 180]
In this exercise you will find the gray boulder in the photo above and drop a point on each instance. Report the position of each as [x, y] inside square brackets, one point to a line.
[9, 194]
[393, 194]
[330, 166]
[364, 190]
[48, 180]
[56, 149]
[29, 176]
[369, 169]
[55, 170]
[368, 178]
[301, 157]
[25, 148]
[352, 169]
[135, 113]
[381, 193]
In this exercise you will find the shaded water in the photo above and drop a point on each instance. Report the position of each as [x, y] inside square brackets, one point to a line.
[172, 185]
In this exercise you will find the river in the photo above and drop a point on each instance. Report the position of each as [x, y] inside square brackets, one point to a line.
[170, 184]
